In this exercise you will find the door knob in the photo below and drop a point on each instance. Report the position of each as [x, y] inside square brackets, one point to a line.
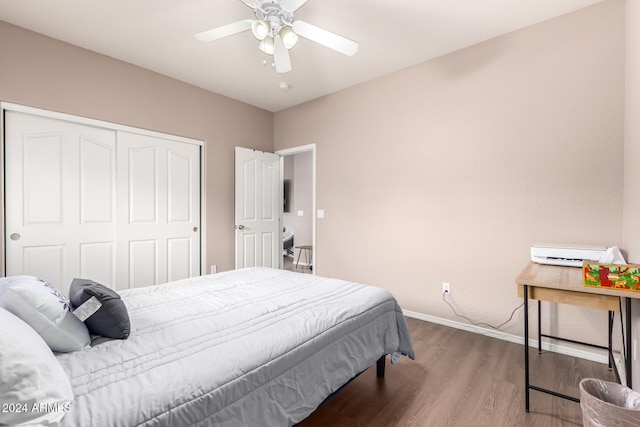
[195, 228]
[240, 227]
[15, 236]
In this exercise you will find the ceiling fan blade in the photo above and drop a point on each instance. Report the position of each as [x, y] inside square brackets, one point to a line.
[224, 31]
[250, 3]
[291, 5]
[325, 38]
[281, 56]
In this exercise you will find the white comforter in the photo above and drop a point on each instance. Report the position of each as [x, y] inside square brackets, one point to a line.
[253, 347]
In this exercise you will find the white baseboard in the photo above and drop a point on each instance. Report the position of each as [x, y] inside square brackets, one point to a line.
[569, 351]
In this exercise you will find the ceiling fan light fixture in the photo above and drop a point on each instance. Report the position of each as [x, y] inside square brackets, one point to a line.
[277, 31]
[289, 38]
[267, 45]
[260, 29]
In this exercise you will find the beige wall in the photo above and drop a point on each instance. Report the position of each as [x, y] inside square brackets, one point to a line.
[41, 72]
[632, 133]
[450, 170]
[631, 223]
[446, 171]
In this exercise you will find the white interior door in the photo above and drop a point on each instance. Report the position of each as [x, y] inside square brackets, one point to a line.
[60, 200]
[257, 205]
[159, 211]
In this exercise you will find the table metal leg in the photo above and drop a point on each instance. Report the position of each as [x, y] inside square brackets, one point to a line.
[539, 327]
[629, 355]
[610, 352]
[526, 346]
[527, 383]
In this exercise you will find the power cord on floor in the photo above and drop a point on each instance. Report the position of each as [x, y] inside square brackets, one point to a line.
[480, 323]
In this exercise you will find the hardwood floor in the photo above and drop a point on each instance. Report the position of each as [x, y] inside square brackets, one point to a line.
[461, 379]
[288, 263]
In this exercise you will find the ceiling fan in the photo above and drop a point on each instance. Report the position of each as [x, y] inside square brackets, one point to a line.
[278, 32]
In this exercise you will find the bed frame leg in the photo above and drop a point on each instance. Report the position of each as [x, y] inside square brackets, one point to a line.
[380, 365]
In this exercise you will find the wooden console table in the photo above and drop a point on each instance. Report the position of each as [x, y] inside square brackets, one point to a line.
[564, 285]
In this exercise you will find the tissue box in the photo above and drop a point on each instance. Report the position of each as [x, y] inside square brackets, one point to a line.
[613, 276]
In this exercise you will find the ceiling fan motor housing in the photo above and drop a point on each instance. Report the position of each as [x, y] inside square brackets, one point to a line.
[274, 14]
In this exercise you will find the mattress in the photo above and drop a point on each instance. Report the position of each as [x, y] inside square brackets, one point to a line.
[250, 347]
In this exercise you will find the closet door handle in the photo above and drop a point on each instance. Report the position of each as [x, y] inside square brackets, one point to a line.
[240, 227]
[15, 236]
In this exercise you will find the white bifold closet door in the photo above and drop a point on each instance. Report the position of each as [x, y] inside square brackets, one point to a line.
[83, 201]
[158, 210]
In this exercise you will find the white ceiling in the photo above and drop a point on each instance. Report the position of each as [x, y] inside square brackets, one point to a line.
[393, 34]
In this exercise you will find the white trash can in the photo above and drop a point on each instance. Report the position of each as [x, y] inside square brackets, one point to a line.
[607, 404]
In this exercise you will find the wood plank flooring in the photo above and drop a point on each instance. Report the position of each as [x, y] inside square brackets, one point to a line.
[461, 379]
[288, 263]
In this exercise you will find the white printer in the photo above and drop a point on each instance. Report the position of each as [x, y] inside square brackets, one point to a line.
[568, 255]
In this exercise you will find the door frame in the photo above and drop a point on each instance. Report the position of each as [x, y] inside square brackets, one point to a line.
[8, 106]
[288, 152]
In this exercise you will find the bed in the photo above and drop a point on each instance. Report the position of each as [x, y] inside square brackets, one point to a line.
[250, 347]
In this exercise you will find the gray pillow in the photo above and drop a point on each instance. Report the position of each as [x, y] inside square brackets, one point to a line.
[112, 319]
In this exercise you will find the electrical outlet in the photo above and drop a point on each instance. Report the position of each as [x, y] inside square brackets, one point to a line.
[446, 288]
[214, 269]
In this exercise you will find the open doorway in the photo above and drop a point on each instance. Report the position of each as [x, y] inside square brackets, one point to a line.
[298, 217]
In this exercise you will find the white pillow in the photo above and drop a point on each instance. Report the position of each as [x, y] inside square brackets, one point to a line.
[34, 389]
[46, 310]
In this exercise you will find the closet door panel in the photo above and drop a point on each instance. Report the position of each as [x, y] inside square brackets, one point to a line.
[97, 200]
[42, 185]
[162, 179]
[97, 182]
[180, 172]
[180, 258]
[143, 184]
[143, 262]
[59, 196]
[98, 262]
